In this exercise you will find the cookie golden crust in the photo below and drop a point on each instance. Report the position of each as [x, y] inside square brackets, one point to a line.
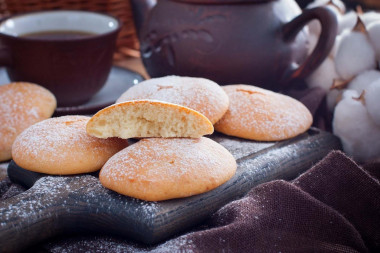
[61, 146]
[21, 105]
[165, 168]
[258, 114]
[148, 118]
[202, 95]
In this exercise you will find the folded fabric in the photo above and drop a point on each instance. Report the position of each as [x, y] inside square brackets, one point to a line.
[333, 207]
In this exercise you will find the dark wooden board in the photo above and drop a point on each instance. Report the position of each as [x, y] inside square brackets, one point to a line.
[66, 204]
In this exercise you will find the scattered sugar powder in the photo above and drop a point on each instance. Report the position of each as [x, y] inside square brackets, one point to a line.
[240, 148]
[198, 94]
[65, 194]
[99, 244]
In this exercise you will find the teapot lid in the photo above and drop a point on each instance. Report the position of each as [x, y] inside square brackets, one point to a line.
[223, 1]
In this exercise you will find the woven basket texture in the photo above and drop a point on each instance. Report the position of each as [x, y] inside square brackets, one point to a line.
[127, 43]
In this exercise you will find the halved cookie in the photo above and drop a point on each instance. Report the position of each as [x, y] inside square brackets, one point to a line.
[157, 169]
[148, 118]
[258, 114]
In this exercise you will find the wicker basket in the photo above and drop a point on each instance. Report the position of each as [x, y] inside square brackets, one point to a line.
[127, 43]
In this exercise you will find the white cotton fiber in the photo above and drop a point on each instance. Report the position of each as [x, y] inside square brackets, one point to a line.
[363, 80]
[312, 40]
[360, 136]
[370, 17]
[374, 37]
[324, 75]
[372, 100]
[335, 47]
[354, 55]
[347, 22]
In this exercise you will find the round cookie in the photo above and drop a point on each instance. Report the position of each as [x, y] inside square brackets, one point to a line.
[258, 114]
[148, 118]
[21, 105]
[165, 168]
[61, 146]
[202, 95]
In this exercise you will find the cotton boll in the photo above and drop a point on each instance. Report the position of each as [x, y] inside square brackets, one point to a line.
[372, 100]
[347, 21]
[363, 80]
[312, 40]
[374, 37]
[335, 47]
[314, 28]
[369, 17]
[349, 94]
[323, 76]
[360, 136]
[354, 55]
[338, 4]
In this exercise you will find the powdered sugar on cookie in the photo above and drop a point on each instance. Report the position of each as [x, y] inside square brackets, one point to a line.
[62, 146]
[163, 168]
[199, 94]
[21, 105]
[263, 115]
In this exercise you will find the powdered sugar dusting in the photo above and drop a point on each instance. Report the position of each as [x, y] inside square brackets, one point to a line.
[257, 112]
[166, 159]
[199, 94]
[21, 105]
[162, 168]
[62, 143]
[100, 244]
[240, 148]
[65, 195]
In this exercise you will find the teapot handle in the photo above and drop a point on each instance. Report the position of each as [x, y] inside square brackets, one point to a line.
[324, 45]
[5, 57]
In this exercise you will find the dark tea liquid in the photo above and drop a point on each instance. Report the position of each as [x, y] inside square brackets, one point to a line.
[58, 35]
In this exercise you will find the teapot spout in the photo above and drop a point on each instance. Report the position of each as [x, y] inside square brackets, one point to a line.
[141, 9]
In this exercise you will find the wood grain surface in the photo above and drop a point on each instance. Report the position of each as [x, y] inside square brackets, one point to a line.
[57, 205]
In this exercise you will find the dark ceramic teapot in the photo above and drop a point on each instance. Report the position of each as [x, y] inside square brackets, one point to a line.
[258, 42]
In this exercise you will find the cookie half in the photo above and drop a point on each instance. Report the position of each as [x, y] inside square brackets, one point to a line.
[148, 118]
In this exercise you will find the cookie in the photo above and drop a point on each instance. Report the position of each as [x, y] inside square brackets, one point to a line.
[21, 105]
[61, 146]
[258, 114]
[158, 169]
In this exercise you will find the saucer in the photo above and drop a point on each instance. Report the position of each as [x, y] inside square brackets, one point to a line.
[119, 80]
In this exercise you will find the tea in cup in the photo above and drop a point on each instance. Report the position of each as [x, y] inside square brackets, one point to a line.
[68, 52]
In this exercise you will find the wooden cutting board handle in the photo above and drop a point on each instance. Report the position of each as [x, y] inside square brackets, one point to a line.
[35, 215]
[75, 204]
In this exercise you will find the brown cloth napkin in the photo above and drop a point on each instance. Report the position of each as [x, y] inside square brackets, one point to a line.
[333, 207]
